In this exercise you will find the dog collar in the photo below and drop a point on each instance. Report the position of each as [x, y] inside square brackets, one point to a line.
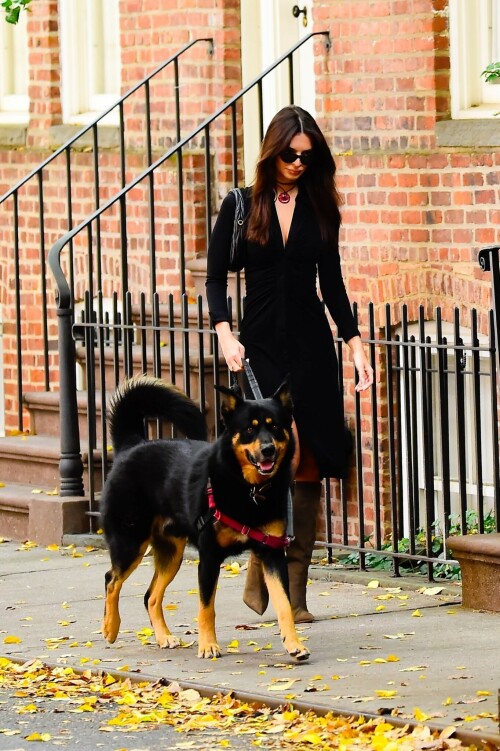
[272, 541]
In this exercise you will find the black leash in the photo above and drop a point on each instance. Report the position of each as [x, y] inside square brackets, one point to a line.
[257, 394]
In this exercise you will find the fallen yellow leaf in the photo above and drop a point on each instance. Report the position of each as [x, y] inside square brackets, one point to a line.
[431, 591]
[419, 715]
[281, 685]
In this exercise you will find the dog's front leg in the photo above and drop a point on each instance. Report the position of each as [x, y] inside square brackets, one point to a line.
[276, 578]
[208, 576]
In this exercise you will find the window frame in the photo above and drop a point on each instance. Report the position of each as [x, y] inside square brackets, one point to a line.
[83, 36]
[14, 105]
[474, 44]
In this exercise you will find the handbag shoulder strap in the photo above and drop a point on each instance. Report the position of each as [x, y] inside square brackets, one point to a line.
[239, 212]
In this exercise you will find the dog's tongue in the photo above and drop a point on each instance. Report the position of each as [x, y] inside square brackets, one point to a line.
[266, 466]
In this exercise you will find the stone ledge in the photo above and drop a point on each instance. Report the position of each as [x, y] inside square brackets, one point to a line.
[108, 137]
[468, 133]
[479, 559]
[12, 136]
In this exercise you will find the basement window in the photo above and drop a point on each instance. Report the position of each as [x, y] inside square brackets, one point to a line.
[474, 44]
[90, 60]
[457, 407]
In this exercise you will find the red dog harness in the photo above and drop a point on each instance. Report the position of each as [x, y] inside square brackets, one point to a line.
[255, 534]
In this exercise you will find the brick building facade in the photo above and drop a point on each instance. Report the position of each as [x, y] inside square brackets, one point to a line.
[420, 190]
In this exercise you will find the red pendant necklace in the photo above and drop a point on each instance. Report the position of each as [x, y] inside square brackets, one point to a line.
[283, 196]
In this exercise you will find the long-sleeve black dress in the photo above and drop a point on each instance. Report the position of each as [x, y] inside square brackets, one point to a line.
[284, 329]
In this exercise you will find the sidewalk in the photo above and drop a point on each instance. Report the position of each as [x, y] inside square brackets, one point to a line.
[388, 647]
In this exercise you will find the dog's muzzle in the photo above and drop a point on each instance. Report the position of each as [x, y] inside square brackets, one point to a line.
[265, 461]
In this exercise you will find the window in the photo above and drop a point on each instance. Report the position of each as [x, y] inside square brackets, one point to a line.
[90, 59]
[474, 44]
[14, 103]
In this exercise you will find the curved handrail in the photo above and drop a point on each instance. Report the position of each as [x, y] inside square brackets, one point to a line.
[64, 293]
[93, 124]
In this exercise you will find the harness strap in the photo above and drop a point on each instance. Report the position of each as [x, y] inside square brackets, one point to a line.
[272, 541]
[257, 394]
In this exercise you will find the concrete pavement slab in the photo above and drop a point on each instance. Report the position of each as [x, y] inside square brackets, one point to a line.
[385, 648]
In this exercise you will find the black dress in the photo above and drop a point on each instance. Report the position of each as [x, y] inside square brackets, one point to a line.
[284, 329]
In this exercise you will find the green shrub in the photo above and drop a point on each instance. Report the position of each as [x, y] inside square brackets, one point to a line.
[380, 561]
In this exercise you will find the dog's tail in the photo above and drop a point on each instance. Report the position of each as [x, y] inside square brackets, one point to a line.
[144, 396]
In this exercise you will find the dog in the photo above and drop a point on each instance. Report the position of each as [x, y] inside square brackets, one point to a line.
[223, 497]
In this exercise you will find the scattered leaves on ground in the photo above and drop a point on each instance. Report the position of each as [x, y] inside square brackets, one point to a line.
[142, 705]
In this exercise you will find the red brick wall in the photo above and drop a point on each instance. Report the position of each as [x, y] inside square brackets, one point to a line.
[414, 214]
[150, 34]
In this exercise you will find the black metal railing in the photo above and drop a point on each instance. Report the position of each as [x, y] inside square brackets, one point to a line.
[35, 186]
[432, 445]
[426, 463]
[88, 233]
[422, 469]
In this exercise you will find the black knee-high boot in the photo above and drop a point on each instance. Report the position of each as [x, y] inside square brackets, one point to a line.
[306, 500]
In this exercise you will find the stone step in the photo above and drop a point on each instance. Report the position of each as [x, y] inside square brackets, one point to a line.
[175, 326]
[198, 270]
[186, 378]
[34, 460]
[171, 321]
[43, 407]
[28, 513]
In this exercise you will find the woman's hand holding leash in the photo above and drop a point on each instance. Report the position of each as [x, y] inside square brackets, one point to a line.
[232, 349]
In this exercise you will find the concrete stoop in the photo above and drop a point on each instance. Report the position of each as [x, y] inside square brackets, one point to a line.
[479, 559]
[30, 505]
[28, 513]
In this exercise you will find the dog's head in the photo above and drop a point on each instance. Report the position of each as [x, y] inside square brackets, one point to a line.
[260, 432]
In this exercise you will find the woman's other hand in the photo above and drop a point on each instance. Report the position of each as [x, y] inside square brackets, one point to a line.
[232, 349]
[361, 363]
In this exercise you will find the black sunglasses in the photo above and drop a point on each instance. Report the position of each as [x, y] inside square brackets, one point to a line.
[289, 156]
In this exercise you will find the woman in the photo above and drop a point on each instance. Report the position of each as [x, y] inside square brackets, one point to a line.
[292, 234]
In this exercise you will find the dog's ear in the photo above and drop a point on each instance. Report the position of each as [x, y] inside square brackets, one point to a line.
[231, 400]
[284, 396]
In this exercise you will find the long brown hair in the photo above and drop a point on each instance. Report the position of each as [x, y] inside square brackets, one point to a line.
[318, 180]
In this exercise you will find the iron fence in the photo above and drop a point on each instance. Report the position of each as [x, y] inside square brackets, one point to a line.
[118, 244]
[425, 437]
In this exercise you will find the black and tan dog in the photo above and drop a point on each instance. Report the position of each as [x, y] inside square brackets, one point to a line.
[223, 497]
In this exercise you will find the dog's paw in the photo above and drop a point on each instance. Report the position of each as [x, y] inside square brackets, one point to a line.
[208, 651]
[110, 629]
[169, 641]
[298, 651]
